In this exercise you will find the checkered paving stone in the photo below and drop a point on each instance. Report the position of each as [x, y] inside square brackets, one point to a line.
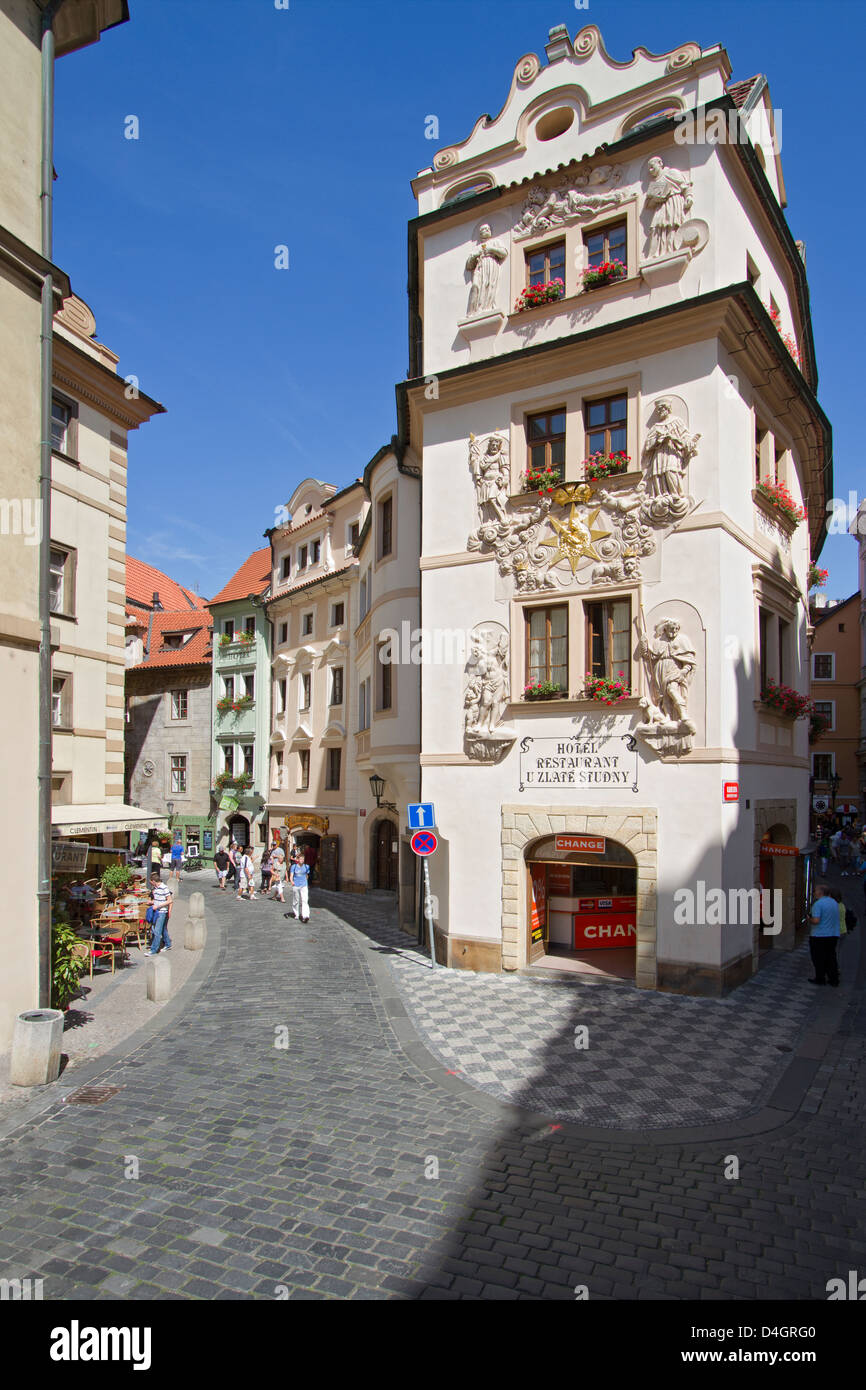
[653, 1060]
[307, 1169]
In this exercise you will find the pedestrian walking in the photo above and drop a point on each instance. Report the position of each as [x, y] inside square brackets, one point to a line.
[233, 862]
[843, 855]
[245, 869]
[824, 937]
[299, 875]
[278, 871]
[266, 868]
[176, 861]
[156, 858]
[221, 863]
[161, 901]
[824, 852]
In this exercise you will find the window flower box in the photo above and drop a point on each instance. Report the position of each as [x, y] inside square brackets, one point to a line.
[544, 690]
[818, 725]
[245, 702]
[817, 577]
[541, 480]
[594, 276]
[243, 781]
[789, 342]
[782, 699]
[609, 690]
[780, 500]
[604, 465]
[245, 638]
[534, 295]
[224, 705]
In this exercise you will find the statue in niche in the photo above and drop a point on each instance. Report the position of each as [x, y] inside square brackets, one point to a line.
[670, 660]
[484, 265]
[485, 739]
[667, 450]
[669, 194]
[491, 472]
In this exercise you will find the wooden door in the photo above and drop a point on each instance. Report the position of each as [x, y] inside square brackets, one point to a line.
[329, 862]
[386, 857]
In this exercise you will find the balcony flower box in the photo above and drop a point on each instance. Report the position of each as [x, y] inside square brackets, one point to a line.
[782, 699]
[789, 342]
[224, 705]
[245, 702]
[609, 690]
[242, 782]
[818, 725]
[781, 501]
[534, 295]
[817, 577]
[594, 276]
[544, 690]
[604, 465]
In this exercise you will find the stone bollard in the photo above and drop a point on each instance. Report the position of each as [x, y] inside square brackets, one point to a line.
[195, 929]
[36, 1045]
[159, 978]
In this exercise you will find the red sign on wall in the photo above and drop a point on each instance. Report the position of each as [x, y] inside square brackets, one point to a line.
[539, 902]
[731, 791]
[771, 849]
[589, 844]
[605, 924]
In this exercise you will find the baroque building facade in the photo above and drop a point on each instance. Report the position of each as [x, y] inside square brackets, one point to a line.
[624, 472]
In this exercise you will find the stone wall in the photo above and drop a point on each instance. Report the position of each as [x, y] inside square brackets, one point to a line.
[152, 736]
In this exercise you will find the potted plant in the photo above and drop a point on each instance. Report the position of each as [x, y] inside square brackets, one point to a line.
[226, 639]
[596, 275]
[818, 725]
[226, 703]
[817, 577]
[540, 480]
[246, 637]
[533, 295]
[544, 690]
[116, 879]
[67, 965]
[243, 702]
[786, 700]
[781, 500]
[602, 465]
[610, 690]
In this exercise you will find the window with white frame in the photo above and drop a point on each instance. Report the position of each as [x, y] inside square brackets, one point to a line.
[281, 695]
[336, 685]
[61, 595]
[228, 687]
[249, 685]
[315, 552]
[306, 689]
[302, 558]
[332, 780]
[338, 614]
[277, 774]
[286, 568]
[179, 704]
[284, 634]
[823, 766]
[364, 704]
[827, 710]
[229, 628]
[178, 772]
[229, 759]
[823, 666]
[303, 769]
[307, 625]
[247, 754]
[61, 700]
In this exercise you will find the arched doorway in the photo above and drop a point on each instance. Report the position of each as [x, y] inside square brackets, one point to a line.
[309, 843]
[239, 831]
[779, 868]
[582, 905]
[385, 856]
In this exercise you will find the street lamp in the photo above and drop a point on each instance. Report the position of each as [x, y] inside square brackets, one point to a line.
[377, 786]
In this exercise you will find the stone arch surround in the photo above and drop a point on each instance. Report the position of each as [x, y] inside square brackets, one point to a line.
[634, 827]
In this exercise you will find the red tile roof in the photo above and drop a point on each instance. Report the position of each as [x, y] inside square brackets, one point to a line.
[739, 91]
[196, 651]
[143, 581]
[253, 577]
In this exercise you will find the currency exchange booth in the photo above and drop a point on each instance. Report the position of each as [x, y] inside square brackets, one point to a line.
[583, 904]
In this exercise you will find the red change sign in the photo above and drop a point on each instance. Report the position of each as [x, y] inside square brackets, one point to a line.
[588, 844]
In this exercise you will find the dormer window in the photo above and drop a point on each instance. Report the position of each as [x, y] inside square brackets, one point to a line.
[172, 640]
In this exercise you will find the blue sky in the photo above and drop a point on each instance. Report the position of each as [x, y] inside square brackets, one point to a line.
[261, 127]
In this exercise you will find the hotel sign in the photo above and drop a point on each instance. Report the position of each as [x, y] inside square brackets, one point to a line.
[605, 763]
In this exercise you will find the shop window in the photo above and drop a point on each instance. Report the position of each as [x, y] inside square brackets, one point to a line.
[608, 638]
[547, 645]
[545, 441]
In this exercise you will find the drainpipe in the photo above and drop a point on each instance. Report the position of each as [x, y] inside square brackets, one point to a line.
[43, 889]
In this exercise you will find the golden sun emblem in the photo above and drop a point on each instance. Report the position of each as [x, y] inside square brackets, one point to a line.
[575, 540]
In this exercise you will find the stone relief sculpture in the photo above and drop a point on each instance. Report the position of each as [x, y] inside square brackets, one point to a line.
[545, 208]
[667, 450]
[491, 472]
[486, 695]
[484, 265]
[669, 196]
[670, 659]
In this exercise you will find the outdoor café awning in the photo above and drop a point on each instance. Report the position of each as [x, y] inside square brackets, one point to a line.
[96, 819]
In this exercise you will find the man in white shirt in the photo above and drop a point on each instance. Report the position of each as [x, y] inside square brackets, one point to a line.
[160, 901]
[245, 867]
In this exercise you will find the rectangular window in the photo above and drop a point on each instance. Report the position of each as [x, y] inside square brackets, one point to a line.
[281, 696]
[364, 704]
[384, 678]
[278, 768]
[286, 567]
[335, 756]
[606, 427]
[823, 664]
[822, 766]
[826, 708]
[364, 597]
[228, 687]
[61, 586]
[178, 772]
[547, 645]
[61, 701]
[250, 685]
[784, 633]
[354, 533]
[386, 527]
[179, 703]
[303, 769]
[546, 263]
[764, 645]
[608, 638]
[760, 438]
[337, 685]
[306, 689]
[229, 629]
[545, 441]
[284, 634]
[307, 625]
[61, 415]
[250, 625]
[302, 558]
[247, 758]
[315, 552]
[229, 759]
[606, 244]
[338, 614]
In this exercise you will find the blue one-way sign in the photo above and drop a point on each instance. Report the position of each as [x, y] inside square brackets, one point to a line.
[421, 815]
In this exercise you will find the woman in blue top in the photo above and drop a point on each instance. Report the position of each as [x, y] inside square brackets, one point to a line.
[824, 937]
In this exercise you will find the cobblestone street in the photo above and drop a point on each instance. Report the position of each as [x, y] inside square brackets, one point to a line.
[353, 1163]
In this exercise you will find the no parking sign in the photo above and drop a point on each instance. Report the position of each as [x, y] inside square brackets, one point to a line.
[424, 842]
